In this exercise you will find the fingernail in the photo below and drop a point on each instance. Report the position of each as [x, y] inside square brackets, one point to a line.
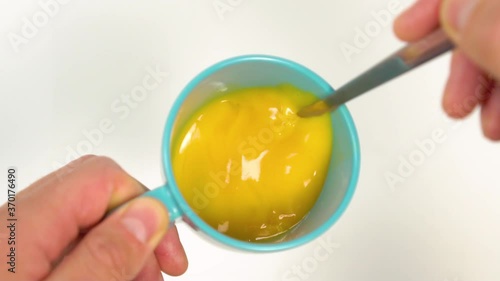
[457, 12]
[146, 220]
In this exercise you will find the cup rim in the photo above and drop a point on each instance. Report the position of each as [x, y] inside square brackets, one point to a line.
[186, 210]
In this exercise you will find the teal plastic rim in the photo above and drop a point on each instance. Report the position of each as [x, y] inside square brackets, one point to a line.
[177, 205]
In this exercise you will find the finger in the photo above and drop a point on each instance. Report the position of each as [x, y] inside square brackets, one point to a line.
[466, 87]
[475, 26]
[118, 248]
[75, 201]
[56, 175]
[490, 115]
[171, 255]
[151, 271]
[418, 20]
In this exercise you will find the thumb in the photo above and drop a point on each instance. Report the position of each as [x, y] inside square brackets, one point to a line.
[474, 25]
[117, 248]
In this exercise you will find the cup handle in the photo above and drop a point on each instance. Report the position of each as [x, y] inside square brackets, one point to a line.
[163, 194]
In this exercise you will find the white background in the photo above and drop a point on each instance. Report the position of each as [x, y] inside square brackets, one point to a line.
[441, 223]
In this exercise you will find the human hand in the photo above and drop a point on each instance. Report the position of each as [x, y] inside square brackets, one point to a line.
[474, 26]
[62, 232]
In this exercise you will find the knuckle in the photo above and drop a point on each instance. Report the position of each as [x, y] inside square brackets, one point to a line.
[79, 161]
[87, 157]
[72, 166]
[109, 168]
[110, 173]
[104, 161]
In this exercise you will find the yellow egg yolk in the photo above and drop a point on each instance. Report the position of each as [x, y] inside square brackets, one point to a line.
[248, 165]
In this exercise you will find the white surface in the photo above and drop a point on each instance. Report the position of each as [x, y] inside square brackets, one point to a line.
[441, 223]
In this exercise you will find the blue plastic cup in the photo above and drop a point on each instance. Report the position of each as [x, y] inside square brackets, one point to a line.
[259, 70]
